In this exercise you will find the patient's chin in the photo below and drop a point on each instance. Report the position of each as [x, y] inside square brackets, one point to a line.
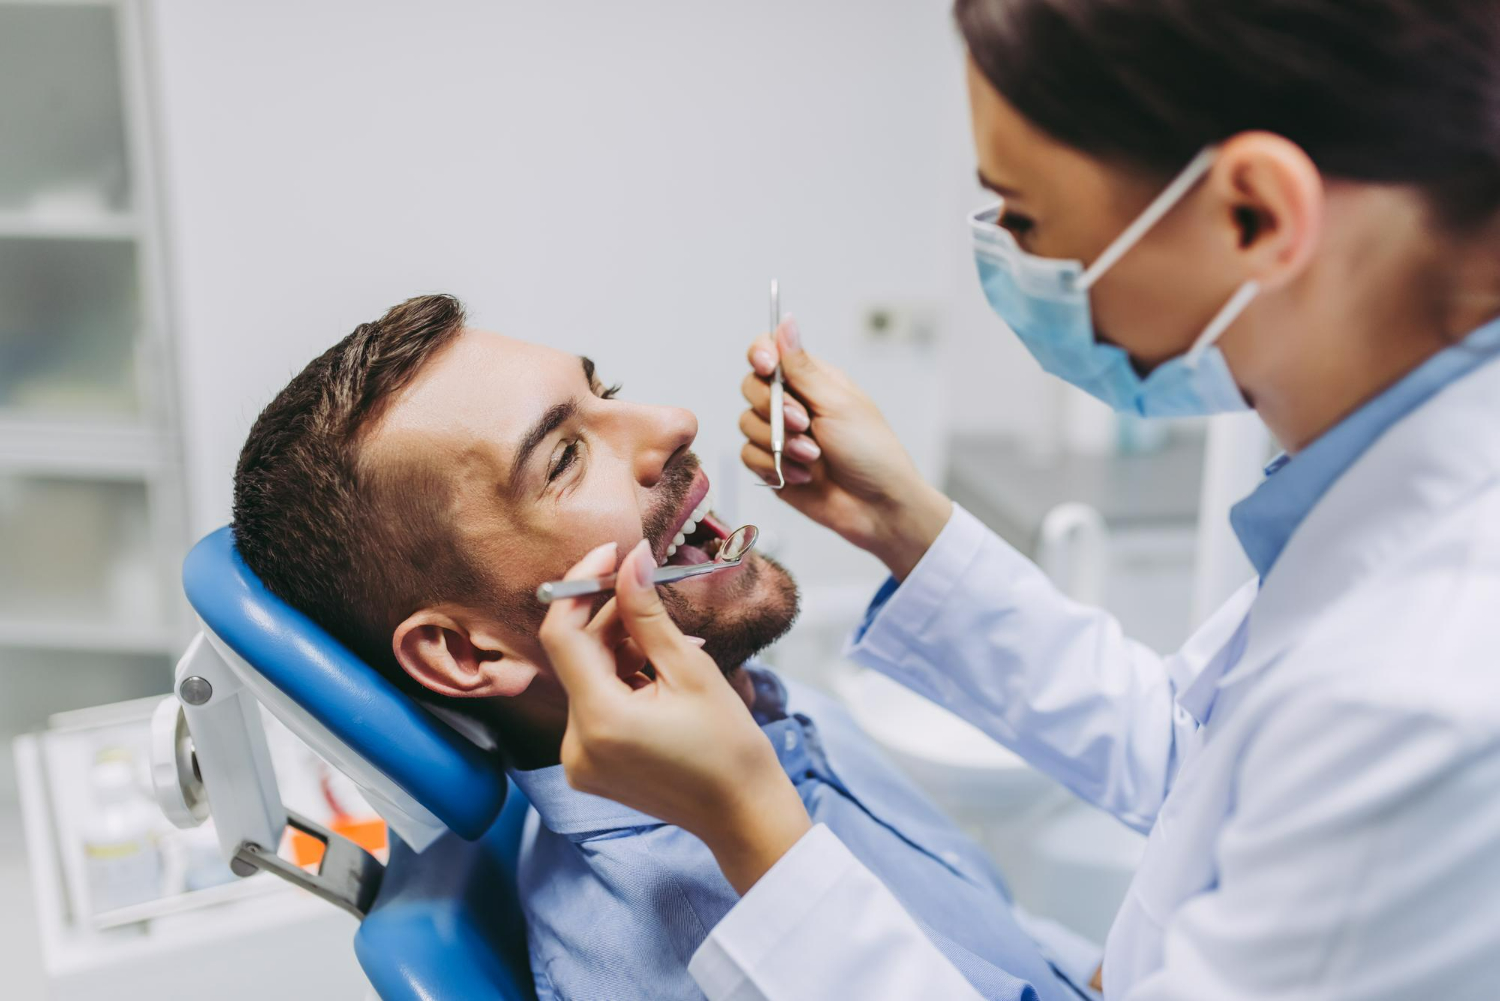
[740, 620]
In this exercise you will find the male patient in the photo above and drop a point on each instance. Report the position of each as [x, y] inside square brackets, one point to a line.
[410, 489]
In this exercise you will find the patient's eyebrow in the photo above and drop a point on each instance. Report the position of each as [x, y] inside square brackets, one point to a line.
[554, 418]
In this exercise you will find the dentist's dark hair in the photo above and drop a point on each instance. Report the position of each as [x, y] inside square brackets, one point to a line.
[1403, 92]
[354, 544]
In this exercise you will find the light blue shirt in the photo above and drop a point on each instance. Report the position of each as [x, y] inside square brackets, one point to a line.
[617, 902]
[1266, 519]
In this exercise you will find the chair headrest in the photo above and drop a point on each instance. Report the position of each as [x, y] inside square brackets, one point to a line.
[330, 689]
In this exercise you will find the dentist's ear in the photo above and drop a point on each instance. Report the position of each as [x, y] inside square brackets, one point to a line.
[1275, 200]
[458, 658]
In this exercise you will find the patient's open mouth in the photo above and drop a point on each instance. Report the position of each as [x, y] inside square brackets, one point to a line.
[698, 535]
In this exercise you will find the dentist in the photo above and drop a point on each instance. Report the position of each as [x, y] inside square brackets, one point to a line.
[1287, 204]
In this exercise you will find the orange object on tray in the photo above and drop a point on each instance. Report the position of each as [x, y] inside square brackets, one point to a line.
[368, 833]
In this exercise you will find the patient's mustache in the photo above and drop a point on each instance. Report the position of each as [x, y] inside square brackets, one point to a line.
[671, 493]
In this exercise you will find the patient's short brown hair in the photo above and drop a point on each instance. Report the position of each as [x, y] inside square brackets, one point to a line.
[355, 545]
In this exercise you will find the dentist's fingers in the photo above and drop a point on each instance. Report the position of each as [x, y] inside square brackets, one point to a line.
[630, 660]
[584, 664]
[759, 462]
[576, 612]
[676, 660]
[822, 387]
[798, 446]
[633, 665]
[607, 627]
[757, 393]
[762, 355]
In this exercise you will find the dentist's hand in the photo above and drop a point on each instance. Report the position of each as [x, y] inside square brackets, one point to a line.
[844, 466]
[680, 747]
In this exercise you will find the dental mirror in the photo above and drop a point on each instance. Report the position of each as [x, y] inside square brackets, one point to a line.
[731, 552]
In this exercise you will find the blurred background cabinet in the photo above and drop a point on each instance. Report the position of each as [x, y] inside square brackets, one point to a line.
[91, 488]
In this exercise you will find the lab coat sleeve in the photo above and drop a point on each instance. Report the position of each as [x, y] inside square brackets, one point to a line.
[1360, 861]
[980, 629]
[819, 925]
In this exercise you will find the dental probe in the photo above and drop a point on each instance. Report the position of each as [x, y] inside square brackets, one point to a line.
[778, 396]
[731, 552]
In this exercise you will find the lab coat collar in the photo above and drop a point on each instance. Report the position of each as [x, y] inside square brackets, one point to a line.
[1433, 460]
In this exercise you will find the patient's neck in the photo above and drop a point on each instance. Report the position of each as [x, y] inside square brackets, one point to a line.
[530, 726]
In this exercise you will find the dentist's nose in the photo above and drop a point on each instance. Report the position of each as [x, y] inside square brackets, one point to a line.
[664, 432]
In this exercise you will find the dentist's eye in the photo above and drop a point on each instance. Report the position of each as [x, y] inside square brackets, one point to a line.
[611, 392]
[1018, 225]
[568, 457]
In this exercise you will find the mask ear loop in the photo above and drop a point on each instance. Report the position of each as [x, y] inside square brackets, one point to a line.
[1236, 305]
[1164, 203]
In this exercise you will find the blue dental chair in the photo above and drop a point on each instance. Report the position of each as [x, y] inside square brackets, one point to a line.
[441, 920]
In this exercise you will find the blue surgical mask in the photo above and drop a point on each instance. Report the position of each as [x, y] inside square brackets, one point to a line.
[1046, 302]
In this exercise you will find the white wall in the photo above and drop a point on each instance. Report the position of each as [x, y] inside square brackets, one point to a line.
[619, 179]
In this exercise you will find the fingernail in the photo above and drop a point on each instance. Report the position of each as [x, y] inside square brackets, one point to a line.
[599, 551]
[645, 563]
[797, 475]
[695, 640]
[791, 333]
[804, 448]
[795, 418]
[764, 360]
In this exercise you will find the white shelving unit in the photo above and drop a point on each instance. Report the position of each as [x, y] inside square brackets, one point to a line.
[92, 505]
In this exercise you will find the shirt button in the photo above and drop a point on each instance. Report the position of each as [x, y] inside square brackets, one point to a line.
[790, 740]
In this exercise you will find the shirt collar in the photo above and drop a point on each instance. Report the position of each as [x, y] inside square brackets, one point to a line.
[567, 811]
[1265, 521]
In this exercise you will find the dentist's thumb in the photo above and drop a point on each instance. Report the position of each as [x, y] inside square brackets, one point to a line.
[676, 657]
[818, 385]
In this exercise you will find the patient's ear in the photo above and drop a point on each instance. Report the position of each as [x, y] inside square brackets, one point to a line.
[453, 654]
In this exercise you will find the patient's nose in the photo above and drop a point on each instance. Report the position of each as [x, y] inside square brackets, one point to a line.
[664, 431]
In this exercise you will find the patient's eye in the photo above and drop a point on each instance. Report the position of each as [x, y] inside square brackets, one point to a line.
[566, 459]
[595, 386]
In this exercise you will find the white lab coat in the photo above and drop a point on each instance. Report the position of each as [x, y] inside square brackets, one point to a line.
[1323, 816]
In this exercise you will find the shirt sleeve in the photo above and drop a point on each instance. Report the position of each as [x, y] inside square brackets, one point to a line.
[819, 925]
[1360, 862]
[980, 629]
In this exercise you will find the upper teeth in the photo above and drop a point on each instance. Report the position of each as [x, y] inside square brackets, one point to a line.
[691, 525]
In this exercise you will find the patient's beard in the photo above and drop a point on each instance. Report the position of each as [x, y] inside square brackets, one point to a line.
[758, 611]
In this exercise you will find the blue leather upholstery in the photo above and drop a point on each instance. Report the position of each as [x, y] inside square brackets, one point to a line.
[448, 923]
[463, 786]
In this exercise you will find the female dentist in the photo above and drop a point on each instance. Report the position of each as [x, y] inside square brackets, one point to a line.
[1290, 204]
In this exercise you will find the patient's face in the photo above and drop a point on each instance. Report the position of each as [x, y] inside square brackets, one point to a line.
[547, 466]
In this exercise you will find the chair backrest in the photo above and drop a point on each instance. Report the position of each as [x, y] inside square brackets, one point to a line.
[448, 924]
[419, 773]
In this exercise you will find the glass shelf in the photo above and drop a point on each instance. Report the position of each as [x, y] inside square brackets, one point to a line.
[69, 315]
[77, 552]
[61, 119]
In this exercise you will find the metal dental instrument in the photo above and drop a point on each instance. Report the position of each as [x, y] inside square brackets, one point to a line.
[731, 552]
[778, 396]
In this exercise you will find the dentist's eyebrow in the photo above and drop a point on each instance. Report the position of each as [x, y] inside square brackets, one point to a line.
[1000, 189]
[554, 418]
